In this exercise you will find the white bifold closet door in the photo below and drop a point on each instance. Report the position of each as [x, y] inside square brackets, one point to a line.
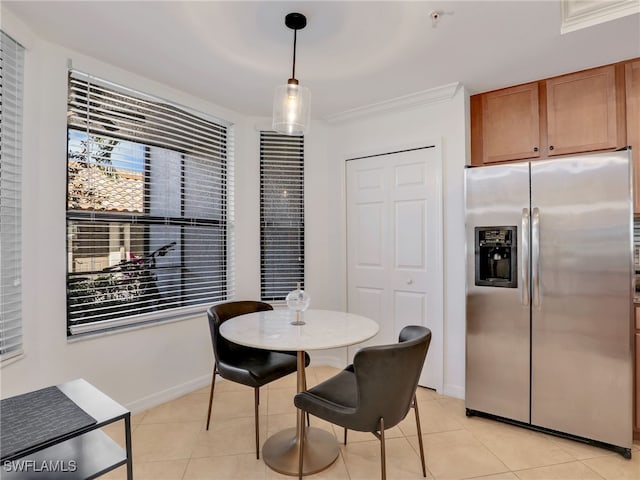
[394, 247]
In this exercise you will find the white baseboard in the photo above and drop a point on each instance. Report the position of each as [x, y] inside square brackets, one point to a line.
[455, 391]
[155, 399]
[329, 358]
[320, 358]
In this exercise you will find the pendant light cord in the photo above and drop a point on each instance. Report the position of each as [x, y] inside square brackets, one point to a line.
[293, 74]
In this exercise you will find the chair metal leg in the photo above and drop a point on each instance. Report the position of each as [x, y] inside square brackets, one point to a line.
[257, 403]
[301, 435]
[305, 387]
[383, 456]
[415, 407]
[345, 436]
[213, 384]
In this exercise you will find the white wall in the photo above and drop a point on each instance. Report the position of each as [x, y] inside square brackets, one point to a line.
[144, 367]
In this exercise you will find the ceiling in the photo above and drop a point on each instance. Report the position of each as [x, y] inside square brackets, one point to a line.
[351, 54]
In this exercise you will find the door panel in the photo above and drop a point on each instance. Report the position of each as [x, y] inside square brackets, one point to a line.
[408, 306]
[409, 248]
[510, 124]
[367, 227]
[369, 235]
[581, 323]
[498, 321]
[394, 231]
[582, 111]
[369, 302]
[632, 91]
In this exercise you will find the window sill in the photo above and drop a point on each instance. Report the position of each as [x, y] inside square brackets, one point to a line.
[152, 321]
[15, 358]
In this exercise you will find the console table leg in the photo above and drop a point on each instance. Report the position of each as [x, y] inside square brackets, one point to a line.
[127, 435]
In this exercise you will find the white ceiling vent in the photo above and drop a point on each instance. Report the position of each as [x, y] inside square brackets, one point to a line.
[577, 14]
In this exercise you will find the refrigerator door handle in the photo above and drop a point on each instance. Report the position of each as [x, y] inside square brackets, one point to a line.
[535, 255]
[525, 257]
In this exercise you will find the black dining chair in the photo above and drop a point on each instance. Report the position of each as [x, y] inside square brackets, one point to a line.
[373, 394]
[253, 367]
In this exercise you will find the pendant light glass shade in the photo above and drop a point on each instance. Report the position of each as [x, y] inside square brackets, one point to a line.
[291, 109]
[291, 102]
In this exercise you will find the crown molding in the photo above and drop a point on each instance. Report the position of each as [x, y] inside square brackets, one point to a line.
[577, 14]
[425, 97]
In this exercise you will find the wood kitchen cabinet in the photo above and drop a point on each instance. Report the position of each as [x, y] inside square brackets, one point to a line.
[510, 124]
[632, 82]
[573, 113]
[636, 426]
[636, 397]
[584, 113]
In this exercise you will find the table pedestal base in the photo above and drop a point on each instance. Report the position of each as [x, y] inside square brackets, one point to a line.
[280, 452]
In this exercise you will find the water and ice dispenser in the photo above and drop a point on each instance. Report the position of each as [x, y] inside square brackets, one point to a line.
[496, 256]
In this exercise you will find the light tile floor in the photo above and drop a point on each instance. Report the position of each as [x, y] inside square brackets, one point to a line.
[170, 442]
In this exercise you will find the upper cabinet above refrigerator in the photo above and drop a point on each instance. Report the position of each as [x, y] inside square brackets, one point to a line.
[574, 113]
[509, 123]
[632, 89]
[585, 111]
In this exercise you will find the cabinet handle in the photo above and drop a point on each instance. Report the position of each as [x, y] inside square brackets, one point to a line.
[535, 149]
[550, 147]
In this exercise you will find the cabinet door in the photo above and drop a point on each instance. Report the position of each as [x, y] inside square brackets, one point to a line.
[632, 76]
[581, 111]
[637, 395]
[511, 124]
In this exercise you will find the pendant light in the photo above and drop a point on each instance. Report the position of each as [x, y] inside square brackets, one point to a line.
[292, 102]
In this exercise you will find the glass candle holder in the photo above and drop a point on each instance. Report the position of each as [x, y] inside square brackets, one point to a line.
[298, 300]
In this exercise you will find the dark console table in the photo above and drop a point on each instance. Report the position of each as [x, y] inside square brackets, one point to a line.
[83, 453]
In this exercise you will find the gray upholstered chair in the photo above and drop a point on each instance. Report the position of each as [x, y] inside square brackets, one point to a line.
[375, 392]
[253, 367]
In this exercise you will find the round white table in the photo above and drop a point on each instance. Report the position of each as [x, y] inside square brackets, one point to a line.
[323, 329]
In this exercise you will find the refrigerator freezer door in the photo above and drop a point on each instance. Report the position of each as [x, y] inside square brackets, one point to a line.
[498, 320]
[581, 379]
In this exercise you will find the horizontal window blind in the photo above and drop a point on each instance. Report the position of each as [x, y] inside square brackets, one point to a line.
[147, 207]
[11, 94]
[281, 214]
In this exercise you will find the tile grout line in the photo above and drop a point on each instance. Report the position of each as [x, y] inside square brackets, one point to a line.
[453, 411]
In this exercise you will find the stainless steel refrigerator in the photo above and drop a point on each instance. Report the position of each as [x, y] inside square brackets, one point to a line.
[549, 296]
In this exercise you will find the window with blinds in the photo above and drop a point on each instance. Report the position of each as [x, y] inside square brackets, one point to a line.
[11, 94]
[281, 214]
[148, 192]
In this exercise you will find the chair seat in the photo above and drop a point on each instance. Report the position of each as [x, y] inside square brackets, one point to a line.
[334, 400]
[256, 367]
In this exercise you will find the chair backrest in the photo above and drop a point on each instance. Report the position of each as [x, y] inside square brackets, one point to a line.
[387, 377]
[223, 349]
